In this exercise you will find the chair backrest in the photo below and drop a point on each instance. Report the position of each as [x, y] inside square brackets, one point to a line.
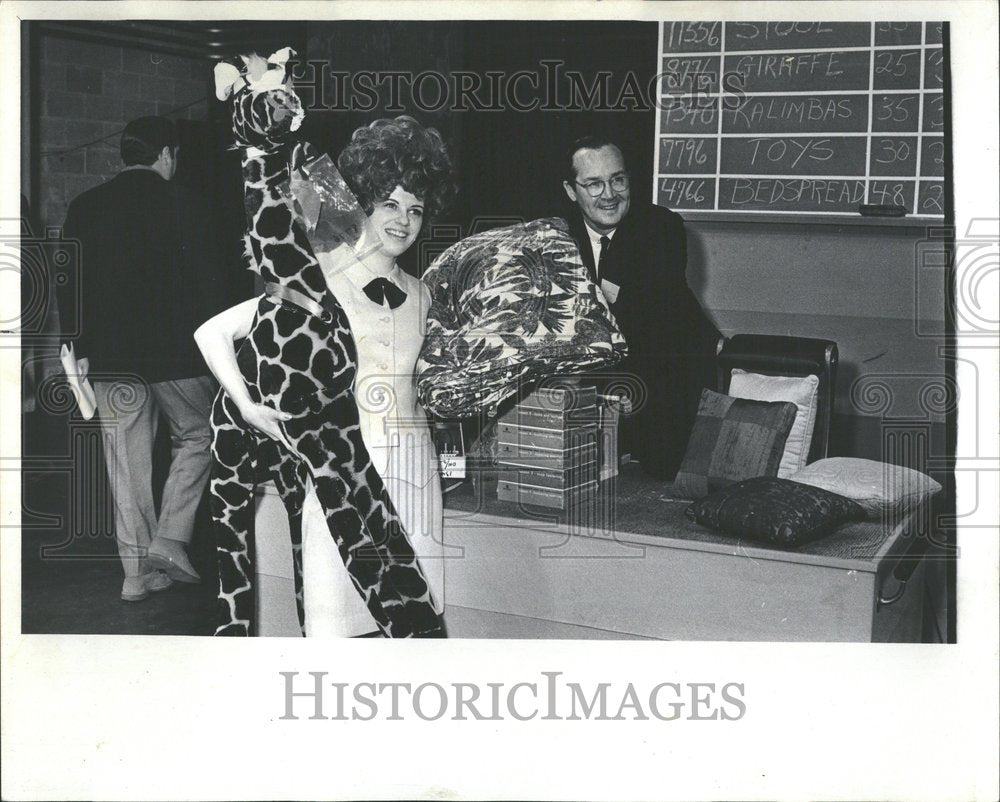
[786, 356]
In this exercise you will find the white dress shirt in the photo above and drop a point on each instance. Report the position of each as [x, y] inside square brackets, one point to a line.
[595, 245]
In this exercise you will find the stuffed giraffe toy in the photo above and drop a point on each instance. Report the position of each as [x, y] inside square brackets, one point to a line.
[300, 358]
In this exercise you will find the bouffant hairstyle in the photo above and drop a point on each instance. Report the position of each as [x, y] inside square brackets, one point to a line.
[399, 152]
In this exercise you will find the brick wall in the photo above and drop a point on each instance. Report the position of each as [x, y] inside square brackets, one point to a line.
[88, 92]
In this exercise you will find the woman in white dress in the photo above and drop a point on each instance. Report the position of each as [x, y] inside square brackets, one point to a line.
[401, 174]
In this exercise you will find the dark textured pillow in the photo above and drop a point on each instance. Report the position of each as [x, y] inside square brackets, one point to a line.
[776, 511]
[733, 439]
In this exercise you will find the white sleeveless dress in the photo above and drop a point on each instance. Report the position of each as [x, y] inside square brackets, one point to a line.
[395, 430]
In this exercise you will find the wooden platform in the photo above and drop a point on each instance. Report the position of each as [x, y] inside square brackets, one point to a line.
[633, 567]
[639, 568]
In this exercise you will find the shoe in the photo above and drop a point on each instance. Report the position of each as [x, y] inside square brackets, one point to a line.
[173, 562]
[134, 589]
[137, 588]
[157, 581]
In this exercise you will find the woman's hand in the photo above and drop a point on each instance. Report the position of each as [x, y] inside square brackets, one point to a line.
[267, 420]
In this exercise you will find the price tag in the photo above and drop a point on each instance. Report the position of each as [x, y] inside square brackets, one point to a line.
[452, 466]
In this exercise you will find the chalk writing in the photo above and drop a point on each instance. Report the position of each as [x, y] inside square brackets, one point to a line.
[685, 75]
[893, 156]
[933, 112]
[932, 156]
[897, 33]
[790, 194]
[931, 197]
[933, 69]
[686, 192]
[831, 156]
[802, 117]
[797, 113]
[897, 69]
[690, 115]
[691, 36]
[781, 35]
[786, 72]
[687, 155]
[894, 193]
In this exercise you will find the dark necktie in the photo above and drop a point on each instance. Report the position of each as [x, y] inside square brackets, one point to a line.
[605, 243]
[381, 290]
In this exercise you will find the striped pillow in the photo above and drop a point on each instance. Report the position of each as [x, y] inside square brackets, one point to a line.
[803, 391]
[733, 439]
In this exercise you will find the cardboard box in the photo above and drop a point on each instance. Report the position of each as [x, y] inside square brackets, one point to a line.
[571, 498]
[552, 418]
[549, 399]
[522, 456]
[535, 437]
[549, 478]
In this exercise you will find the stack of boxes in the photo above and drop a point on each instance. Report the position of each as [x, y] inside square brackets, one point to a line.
[547, 449]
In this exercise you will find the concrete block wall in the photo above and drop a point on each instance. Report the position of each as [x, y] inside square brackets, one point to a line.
[88, 92]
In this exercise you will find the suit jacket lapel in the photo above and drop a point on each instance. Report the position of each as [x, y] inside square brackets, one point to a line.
[624, 260]
[578, 231]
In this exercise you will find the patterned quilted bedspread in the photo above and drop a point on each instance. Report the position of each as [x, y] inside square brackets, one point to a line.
[510, 306]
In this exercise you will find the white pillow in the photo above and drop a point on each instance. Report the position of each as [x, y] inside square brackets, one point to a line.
[799, 390]
[877, 486]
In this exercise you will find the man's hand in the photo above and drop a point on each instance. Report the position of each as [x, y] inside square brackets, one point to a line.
[83, 365]
[267, 420]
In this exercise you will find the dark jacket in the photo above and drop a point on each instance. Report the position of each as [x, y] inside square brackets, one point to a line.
[671, 341]
[141, 280]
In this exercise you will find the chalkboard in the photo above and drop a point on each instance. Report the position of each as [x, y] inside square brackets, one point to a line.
[801, 118]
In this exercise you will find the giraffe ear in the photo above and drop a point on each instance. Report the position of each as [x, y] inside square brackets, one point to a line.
[280, 57]
[227, 77]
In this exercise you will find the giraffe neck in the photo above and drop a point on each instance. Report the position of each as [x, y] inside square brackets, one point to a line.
[274, 239]
[262, 172]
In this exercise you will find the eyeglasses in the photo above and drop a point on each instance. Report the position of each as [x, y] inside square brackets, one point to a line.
[619, 183]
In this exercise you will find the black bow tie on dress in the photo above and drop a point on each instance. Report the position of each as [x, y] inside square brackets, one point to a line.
[381, 290]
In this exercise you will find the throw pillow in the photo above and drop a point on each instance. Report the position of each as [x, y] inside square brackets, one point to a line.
[732, 439]
[800, 390]
[880, 488]
[776, 511]
[510, 306]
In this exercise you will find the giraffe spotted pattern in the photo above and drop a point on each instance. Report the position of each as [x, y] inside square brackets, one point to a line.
[304, 363]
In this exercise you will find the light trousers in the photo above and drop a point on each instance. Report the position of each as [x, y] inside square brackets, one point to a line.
[129, 411]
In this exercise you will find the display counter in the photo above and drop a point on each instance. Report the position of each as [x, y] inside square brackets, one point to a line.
[632, 564]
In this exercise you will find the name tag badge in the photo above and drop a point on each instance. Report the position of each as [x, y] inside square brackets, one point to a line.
[610, 290]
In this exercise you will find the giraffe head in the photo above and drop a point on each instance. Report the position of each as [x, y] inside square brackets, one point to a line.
[266, 110]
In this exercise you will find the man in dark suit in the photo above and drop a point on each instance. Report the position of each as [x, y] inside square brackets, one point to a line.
[140, 296]
[637, 254]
